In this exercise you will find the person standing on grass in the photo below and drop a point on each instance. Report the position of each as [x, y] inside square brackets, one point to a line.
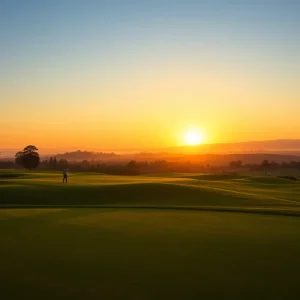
[65, 175]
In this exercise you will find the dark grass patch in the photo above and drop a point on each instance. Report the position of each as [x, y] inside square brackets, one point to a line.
[11, 175]
[294, 178]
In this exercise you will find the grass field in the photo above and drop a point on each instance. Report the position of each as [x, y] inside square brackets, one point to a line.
[149, 237]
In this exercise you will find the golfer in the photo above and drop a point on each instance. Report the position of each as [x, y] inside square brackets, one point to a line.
[65, 175]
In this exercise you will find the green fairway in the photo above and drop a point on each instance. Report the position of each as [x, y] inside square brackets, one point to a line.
[217, 192]
[148, 237]
[133, 254]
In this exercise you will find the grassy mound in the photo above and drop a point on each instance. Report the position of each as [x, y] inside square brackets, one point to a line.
[84, 189]
[155, 194]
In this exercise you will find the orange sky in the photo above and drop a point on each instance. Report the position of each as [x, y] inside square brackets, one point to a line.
[150, 113]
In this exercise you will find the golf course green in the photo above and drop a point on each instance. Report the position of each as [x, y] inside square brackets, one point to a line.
[172, 236]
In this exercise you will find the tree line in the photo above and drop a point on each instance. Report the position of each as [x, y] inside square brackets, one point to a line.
[29, 158]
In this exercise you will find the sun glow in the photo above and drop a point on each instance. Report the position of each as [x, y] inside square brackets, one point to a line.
[193, 137]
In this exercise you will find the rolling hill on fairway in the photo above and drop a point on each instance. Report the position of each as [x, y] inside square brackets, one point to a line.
[219, 192]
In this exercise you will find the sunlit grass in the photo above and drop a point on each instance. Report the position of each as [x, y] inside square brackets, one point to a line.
[169, 190]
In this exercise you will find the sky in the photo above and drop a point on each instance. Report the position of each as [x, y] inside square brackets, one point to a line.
[116, 74]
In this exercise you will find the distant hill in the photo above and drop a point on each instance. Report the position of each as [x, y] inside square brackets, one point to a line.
[217, 159]
[87, 155]
[211, 159]
[283, 146]
[250, 152]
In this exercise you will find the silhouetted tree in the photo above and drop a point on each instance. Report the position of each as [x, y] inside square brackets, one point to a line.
[273, 165]
[54, 163]
[132, 167]
[266, 165]
[62, 164]
[236, 164]
[28, 158]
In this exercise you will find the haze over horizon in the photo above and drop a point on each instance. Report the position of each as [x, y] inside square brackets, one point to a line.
[137, 74]
[279, 146]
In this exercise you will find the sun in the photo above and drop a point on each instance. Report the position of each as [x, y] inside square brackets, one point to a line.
[193, 137]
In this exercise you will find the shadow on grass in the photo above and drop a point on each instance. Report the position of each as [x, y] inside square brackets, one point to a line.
[11, 176]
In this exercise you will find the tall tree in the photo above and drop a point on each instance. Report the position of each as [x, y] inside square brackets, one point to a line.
[28, 158]
[54, 163]
[266, 165]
